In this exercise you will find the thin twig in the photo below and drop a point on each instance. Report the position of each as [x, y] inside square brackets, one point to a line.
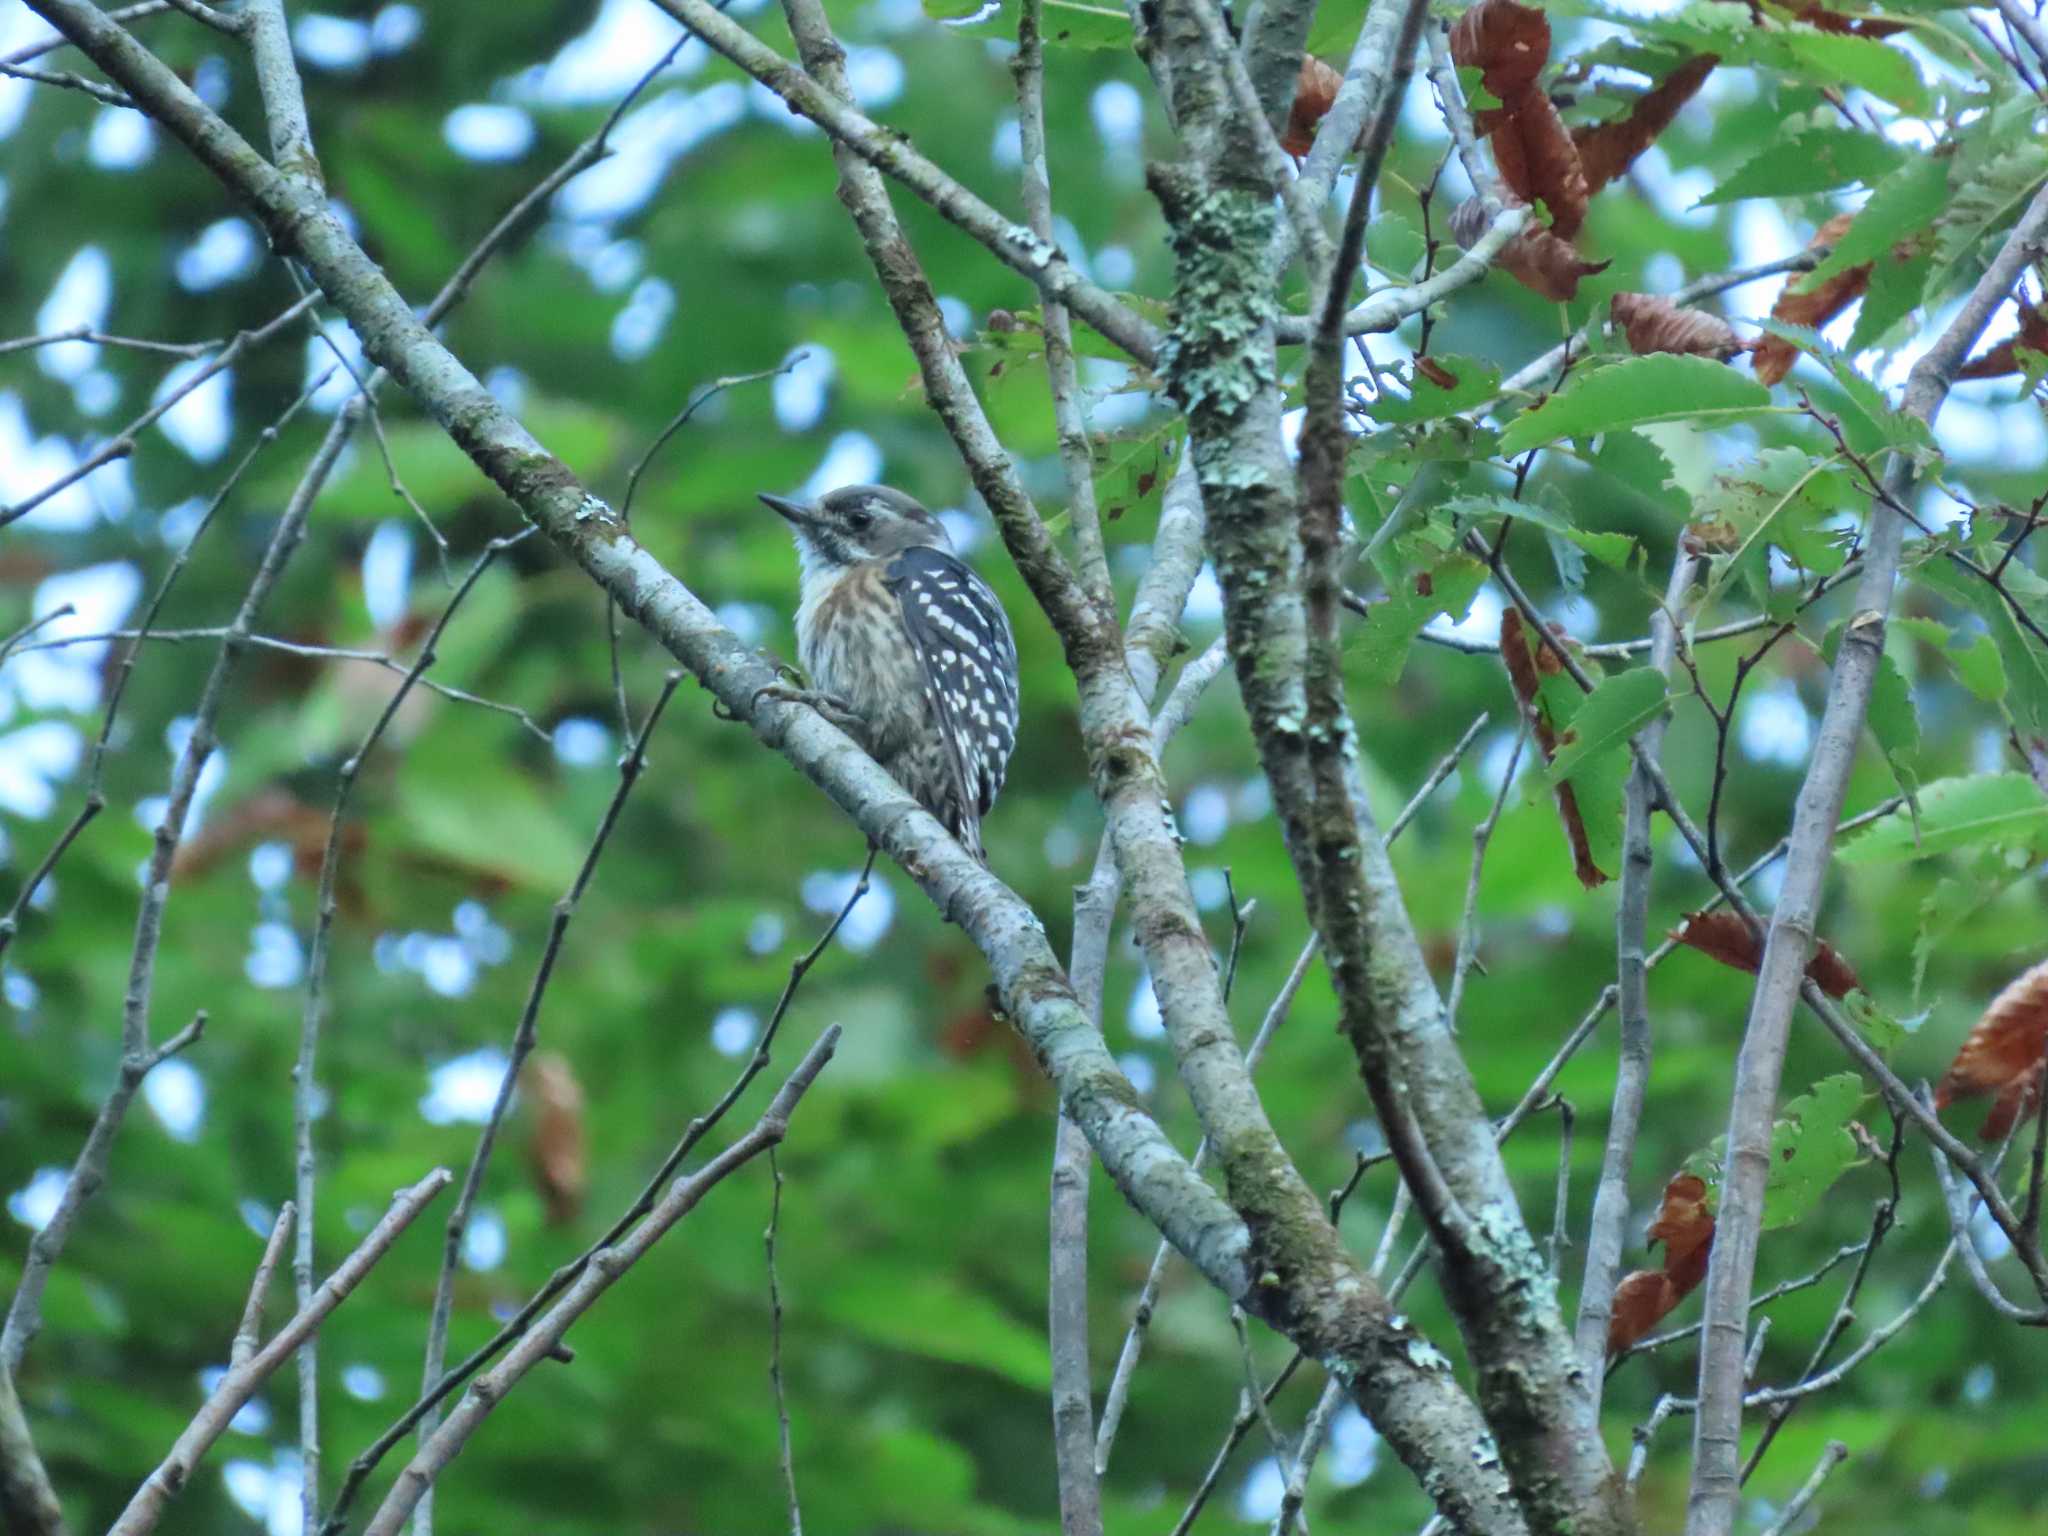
[1830, 1458]
[525, 1036]
[240, 1382]
[605, 1267]
[517, 1326]
[788, 1459]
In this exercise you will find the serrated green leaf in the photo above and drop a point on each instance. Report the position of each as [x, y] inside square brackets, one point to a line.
[1868, 422]
[1990, 195]
[1811, 1148]
[1892, 717]
[1781, 497]
[1978, 663]
[1904, 203]
[2024, 661]
[1635, 463]
[1883, 1029]
[1613, 712]
[1378, 644]
[1637, 390]
[1895, 291]
[1955, 813]
[1840, 58]
[1599, 781]
[1812, 160]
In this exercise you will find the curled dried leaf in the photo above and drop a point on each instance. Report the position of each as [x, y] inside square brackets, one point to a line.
[1607, 149]
[1825, 20]
[1773, 356]
[1525, 669]
[1654, 324]
[2003, 1053]
[1507, 43]
[1685, 1226]
[1727, 938]
[555, 1147]
[1536, 258]
[2004, 358]
[1315, 89]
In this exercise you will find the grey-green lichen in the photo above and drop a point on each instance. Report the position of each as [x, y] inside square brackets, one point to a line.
[1217, 358]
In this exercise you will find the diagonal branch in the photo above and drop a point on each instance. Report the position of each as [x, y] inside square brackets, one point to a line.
[489, 1389]
[1038, 260]
[1717, 1431]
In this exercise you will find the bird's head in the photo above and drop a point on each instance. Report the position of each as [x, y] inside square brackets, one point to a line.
[857, 522]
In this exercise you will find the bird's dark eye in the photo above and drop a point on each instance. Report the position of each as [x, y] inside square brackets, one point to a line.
[860, 520]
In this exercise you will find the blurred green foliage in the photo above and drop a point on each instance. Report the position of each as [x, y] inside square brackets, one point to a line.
[912, 1246]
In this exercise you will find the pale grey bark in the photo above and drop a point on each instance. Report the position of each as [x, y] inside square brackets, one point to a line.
[1789, 944]
[240, 1383]
[1632, 1073]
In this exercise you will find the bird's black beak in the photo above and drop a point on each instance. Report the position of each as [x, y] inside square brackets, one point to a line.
[795, 511]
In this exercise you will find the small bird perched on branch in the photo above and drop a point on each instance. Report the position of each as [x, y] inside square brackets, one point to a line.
[907, 648]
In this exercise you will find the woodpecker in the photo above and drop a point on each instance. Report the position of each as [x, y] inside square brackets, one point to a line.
[908, 647]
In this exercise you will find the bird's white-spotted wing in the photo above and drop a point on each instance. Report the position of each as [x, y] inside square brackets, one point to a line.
[963, 642]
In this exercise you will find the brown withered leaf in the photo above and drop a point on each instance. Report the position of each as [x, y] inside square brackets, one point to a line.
[1436, 373]
[1685, 1227]
[1524, 671]
[2003, 1053]
[1536, 258]
[1315, 88]
[555, 1144]
[1536, 158]
[1507, 43]
[1608, 149]
[2022, 1096]
[1726, 937]
[1824, 20]
[1773, 356]
[1653, 324]
[2004, 358]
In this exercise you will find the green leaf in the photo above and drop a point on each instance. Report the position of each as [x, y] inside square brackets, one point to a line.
[1904, 203]
[1477, 382]
[1811, 1148]
[1839, 58]
[1613, 712]
[1868, 420]
[1635, 391]
[1781, 497]
[1895, 291]
[1379, 642]
[1978, 663]
[465, 822]
[1072, 25]
[925, 1313]
[2024, 659]
[1955, 813]
[1811, 160]
[1884, 1029]
[1989, 196]
[1610, 549]
[1599, 780]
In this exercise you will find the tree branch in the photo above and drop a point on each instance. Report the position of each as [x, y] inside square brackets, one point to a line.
[1017, 247]
[1632, 1075]
[241, 1381]
[1711, 1505]
[489, 1389]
